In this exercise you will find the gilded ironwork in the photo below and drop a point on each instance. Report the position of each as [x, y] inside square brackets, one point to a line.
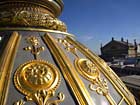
[38, 80]
[6, 65]
[69, 72]
[88, 70]
[34, 49]
[103, 68]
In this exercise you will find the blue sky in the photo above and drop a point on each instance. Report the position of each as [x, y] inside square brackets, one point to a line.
[96, 21]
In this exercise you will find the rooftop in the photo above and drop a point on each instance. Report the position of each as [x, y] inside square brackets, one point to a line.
[132, 81]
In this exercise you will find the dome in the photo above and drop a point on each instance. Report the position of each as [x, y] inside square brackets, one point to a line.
[45, 65]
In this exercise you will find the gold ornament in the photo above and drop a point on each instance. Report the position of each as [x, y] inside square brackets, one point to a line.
[38, 80]
[31, 19]
[68, 46]
[88, 70]
[35, 49]
[36, 75]
[20, 102]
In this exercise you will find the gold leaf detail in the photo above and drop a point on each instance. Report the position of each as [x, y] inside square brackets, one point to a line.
[20, 102]
[35, 49]
[100, 86]
[28, 18]
[38, 80]
[88, 70]
[68, 46]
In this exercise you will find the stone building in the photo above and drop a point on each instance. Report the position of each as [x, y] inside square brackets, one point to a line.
[118, 50]
[138, 50]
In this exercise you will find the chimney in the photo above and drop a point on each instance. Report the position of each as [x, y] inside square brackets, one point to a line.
[101, 45]
[122, 39]
[127, 41]
[135, 43]
[112, 38]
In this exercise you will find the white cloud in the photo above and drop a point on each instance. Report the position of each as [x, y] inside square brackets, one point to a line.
[85, 38]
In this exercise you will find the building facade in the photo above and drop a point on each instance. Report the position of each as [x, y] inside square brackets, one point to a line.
[118, 50]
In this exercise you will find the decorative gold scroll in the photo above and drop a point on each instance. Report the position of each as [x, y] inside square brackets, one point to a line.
[37, 79]
[89, 71]
[36, 75]
[20, 102]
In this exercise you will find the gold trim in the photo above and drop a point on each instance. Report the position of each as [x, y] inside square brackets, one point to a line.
[6, 64]
[121, 101]
[28, 18]
[108, 72]
[69, 72]
[34, 29]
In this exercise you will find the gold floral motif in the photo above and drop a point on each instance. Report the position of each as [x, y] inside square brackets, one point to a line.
[38, 80]
[38, 74]
[44, 98]
[88, 70]
[68, 46]
[100, 86]
[33, 40]
[33, 48]
[20, 102]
